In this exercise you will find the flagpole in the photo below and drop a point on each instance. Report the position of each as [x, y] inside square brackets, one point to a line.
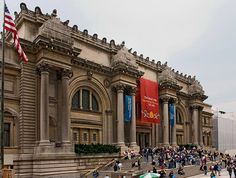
[2, 89]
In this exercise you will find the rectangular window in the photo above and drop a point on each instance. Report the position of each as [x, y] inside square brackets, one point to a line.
[95, 137]
[75, 137]
[6, 134]
[85, 137]
[85, 98]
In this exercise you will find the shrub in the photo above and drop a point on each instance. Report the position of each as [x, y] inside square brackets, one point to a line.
[96, 148]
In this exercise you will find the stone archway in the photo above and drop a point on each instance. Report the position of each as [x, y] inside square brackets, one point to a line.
[184, 126]
[104, 131]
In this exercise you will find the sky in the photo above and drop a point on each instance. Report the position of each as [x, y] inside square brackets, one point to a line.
[195, 37]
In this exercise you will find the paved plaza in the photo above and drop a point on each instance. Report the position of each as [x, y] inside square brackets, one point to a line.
[224, 174]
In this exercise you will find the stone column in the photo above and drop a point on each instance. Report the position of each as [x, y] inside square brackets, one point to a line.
[195, 124]
[157, 135]
[44, 105]
[65, 112]
[200, 126]
[109, 132]
[173, 136]
[165, 121]
[133, 143]
[120, 115]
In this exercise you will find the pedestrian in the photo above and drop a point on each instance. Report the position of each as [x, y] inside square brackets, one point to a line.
[212, 175]
[205, 169]
[154, 170]
[95, 174]
[229, 169]
[106, 176]
[219, 169]
[171, 174]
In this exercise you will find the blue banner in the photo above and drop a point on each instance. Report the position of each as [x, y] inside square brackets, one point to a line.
[128, 108]
[172, 114]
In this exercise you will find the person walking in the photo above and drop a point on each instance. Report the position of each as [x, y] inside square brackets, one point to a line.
[229, 169]
[205, 169]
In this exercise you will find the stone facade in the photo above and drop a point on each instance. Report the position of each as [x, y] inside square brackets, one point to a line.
[72, 91]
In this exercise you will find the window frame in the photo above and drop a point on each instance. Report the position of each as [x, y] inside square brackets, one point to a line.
[92, 96]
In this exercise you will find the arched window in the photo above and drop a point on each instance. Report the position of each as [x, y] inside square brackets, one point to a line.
[85, 99]
[179, 117]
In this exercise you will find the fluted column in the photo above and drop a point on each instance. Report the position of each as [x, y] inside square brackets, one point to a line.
[133, 121]
[120, 115]
[173, 136]
[165, 120]
[44, 104]
[195, 123]
[65, 119]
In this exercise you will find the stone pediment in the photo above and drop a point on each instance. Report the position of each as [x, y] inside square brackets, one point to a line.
[56, 30]
[123, 56]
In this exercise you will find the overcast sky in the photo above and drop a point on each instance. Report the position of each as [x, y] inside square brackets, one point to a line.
[196, 37]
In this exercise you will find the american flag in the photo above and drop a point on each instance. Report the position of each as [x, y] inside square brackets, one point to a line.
[10, 26]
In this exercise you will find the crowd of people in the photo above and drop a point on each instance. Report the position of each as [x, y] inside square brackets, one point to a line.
[177, 158]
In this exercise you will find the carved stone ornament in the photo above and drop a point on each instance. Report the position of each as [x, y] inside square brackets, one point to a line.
[23, 7]
[89, 74]
[124, 56]
[107, 83]
[167, 75]
[196, 88]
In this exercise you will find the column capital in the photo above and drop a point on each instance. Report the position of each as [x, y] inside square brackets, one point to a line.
[43, 67]
[165, 99]
[66, 73]
[196, 106]
[133, 90]
[174, 100]
[120, 88]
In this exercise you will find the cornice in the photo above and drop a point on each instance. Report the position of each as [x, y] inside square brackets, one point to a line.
[198, 96]
[90, 65]
[170, 85]
[122, 68]
[183, 94]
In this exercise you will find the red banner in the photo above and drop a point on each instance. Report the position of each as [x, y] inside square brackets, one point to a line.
[149, 101]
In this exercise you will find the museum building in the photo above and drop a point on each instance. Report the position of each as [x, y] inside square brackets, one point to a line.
[73, 90]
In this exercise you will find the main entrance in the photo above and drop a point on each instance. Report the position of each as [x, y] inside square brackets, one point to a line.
[143, 140]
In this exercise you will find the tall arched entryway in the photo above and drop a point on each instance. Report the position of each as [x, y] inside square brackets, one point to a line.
[90, 120]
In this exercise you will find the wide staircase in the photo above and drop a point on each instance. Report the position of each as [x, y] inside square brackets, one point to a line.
[128, 171]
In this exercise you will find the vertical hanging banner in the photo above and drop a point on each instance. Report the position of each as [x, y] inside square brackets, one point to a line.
[128, 108]
[172, 114]
[149, 101]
